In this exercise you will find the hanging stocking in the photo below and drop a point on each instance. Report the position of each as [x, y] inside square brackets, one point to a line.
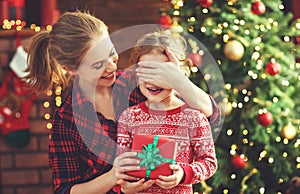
[15, 103]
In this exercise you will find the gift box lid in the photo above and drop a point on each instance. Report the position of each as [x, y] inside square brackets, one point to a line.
[155, 153]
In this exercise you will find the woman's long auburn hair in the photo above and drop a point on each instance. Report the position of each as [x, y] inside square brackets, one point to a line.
[64, 47]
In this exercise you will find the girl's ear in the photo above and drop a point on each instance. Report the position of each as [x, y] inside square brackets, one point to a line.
[70, 72]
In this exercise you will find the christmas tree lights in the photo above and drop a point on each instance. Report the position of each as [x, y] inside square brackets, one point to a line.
[256, 45]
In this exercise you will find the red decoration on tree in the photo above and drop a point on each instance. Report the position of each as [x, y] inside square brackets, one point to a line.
[196, 58]
[238, 162]
[205, 3]
[298, 40]
[273, 68]
[165, 20]
[258, 8]
[265, 119]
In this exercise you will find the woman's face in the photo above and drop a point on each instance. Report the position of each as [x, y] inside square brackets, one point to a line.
[99, 64]
[153, 92]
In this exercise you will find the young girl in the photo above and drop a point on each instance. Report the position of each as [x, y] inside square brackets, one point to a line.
[165, 114]
[83, 137]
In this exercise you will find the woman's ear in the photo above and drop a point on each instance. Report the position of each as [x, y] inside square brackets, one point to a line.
[70, 72]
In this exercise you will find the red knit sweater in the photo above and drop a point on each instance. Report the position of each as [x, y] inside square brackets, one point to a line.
[189, 127]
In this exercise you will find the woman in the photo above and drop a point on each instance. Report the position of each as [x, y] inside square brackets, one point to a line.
[82, 144]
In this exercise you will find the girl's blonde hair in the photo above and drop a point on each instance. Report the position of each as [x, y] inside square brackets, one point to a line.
[64, 46]
[158, 42]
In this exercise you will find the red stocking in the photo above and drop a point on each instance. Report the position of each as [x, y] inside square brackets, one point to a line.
[15, 105]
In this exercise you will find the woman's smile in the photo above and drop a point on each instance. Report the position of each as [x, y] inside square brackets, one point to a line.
[109, 77]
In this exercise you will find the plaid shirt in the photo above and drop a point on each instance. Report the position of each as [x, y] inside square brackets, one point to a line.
[83, 142]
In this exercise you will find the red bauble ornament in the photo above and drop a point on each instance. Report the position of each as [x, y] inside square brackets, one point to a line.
[273, 68]
[297, 39]
[205, 3]
[238, 162]
[265, 119]
[258, 8]
[165, 20]
[196, 59]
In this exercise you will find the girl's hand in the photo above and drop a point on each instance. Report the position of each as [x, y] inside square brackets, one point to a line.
[123, 163]
[131, 188]
[169, 182]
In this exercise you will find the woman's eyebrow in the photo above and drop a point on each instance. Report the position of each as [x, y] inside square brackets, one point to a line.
[112, 51]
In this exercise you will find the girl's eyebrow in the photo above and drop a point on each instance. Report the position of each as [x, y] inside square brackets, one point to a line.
[112, 52]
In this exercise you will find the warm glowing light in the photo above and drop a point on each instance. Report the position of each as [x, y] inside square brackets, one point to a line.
[229, 132]
[263, 154]
[286, 38]
[278, 139]
[262, 190]
[271, 160]
[233, 176]
[284, 154]
[47, 116]
[46, 104]
[49, 126]
[58, 98]
[205, 10]
[234, 146]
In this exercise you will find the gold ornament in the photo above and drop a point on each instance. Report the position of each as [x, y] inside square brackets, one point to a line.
[231, 1]
[234, 50]
[288, 131]
[225, 108]
[176, 28]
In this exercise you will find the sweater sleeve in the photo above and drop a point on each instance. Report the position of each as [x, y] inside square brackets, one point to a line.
[205, 162]
[124, 138]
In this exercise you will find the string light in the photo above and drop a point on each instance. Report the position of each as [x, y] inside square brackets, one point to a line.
[278, 139]
[271, 160]
[229, 132]
[258, 61]
[286, 38]
[233, 176]
[245, 141]
[281, 7]
[262, 190]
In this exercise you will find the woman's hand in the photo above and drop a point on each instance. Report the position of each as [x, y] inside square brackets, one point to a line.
[168, 75]
[169, 182]
[123, 163]
[163, 74]
[133, 187]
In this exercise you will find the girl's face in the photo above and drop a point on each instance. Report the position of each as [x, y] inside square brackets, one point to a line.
[153, 92]
[99, 64]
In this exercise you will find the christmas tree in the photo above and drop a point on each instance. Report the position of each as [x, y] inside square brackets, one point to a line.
[255, 44]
